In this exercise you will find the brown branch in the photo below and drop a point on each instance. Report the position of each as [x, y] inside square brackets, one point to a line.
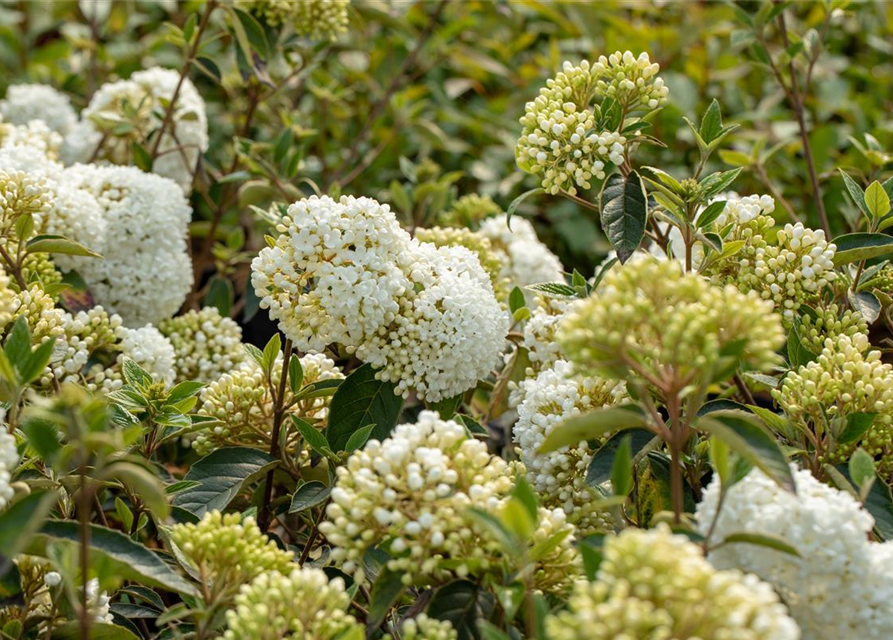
[278, 414]
[396, 83]
[169, 112]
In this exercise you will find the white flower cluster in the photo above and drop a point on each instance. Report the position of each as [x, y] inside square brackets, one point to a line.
[791, 272]
[410, 495]
[28, 146]
[560, 476]
[207, 344]
[7, 299]
[9, 459]
[540, 333]
[151, 350]
[525, 259]
[145, 272]
[346, 273]
[140, 103]
[840, 586]
[98, 603]
[655, 584]
[742, 210]
[302, 604]
[88, 336]
[631, 81]
[27, 102]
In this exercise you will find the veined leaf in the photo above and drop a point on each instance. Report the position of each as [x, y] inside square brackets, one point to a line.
[624, 212]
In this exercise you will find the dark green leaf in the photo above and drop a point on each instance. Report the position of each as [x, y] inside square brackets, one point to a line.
[361, 400]
[710, 214]
[856, 426]
[855, 247]
[359, 438]
[463, 604]
[20, 521]
[295, 374]
[386, 589]
[315, 439]
[856, 193]
[220, 295]
[309, 495]
[447, 407]
[222, 475]
[600, 468]
[711, 123]
[517, 201]
[98, 631]
[624, 212]
[516, 300]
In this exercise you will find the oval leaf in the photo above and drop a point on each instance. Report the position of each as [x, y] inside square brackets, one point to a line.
[624, 211]
[855, 247]
[309, 495]
[592, 425]
[359, 401]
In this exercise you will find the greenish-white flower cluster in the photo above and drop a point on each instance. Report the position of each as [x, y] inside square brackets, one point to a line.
[654, 584]
[424, 628]
[560, 476]
[469, 211]
[302, 604]
[9, 459]
[317, 19]
[829, 322]
[649, 316]
[241, 402]
[207, 345]
[229, 551]
[560, 140]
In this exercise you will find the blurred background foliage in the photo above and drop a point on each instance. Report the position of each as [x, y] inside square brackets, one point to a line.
[418, 102]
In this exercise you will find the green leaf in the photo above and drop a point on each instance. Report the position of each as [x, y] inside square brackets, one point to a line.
[36, 362]
[762, 539]
[602, 464]
[185, 389]
[59, 244]
[309, 495]
[295, 374]
[141, 158]
[254, 34]
[220, 295]
[741, 432]
[386, 589]
[526, 496]
[98, 631]
[255, 354]
[447, 407]
[710, 214]
[43, 436]
[517, 201]
[314, 438]
[855, 427]
[271, 350]
[462, 603]
[516, 300]
[129, 560]
[621, 471]
[209, 68]
[222, 475]
[18, 344]
[135, 375]
[361, 400]
[862, 468]
[866, 303]
[711, 123]
[20, 521]
[554, 290]
[148, 487]
[877, 200]
[624, 212]
[719, 181]
[798, 354]
[855, 247]
[855, 192]
[359, 438]
[591, 426]
[24, 225]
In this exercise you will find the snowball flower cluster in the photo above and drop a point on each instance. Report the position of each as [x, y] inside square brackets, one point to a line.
[559, 477]
[140, 103]
[316, 19]
[847, 377]
[229, 551]
[28, 146]
[9, 459]
[27, 102]
[479, 245]
[145, 273]
[839, 586]
[207, 345]
[655, 584]
[540, 333]
[302, 604]
[525, 260]
[151, 350]
[346, 273]
[650, 315]
[243, 405]
[409, 495]
[793, 271]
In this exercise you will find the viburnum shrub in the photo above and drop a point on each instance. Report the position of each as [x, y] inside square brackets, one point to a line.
[287, 352]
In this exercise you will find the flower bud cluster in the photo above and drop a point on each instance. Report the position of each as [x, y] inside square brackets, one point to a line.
[207, 345]
[315, 19]
[8, 299]
[229, 551]
[838, 586]
[559, 477]
[469, 211]
[479, 245]
[241, 402]
[829, 322]
[656, 584]
[525, 260]
[300, 604]
[791, 272]
[9, 460]
[631, 81]
[45, 321]
[847, 377]
[346, 273]
[141, 102]
[424, 628]
[88, 350]
[410, 495]
[650, 315]
[26, 102]
[28, 145]
[40, 269]
[23, 194]
[151, 350]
